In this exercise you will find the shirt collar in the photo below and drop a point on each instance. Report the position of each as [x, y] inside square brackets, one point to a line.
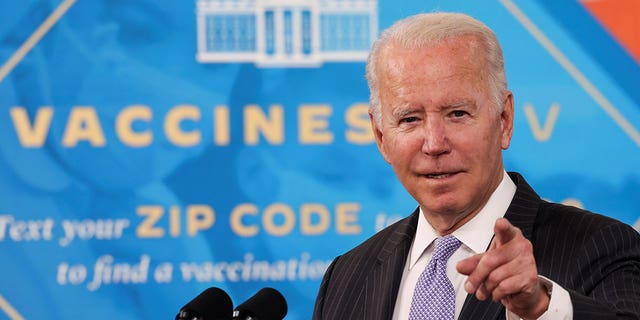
[476, 234]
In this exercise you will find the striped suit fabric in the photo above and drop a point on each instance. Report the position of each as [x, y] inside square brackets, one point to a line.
[596, 258]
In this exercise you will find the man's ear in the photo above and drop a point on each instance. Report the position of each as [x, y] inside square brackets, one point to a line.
[379, 137]
[506, 120]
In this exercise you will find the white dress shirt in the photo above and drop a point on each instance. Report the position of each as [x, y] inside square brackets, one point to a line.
[475, 236]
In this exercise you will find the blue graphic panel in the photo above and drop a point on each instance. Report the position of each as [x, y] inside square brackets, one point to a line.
[150, 150]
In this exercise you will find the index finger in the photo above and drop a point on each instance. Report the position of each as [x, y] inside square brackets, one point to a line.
[504, 231]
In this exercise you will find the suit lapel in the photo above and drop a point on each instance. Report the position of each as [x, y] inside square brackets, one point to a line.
[382, 285]
[521, 213]
[476, 309]
[524, 207]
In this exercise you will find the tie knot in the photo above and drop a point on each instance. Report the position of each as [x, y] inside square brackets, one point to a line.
[445, 246]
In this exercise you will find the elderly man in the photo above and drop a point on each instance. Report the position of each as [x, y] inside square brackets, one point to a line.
[481, 244]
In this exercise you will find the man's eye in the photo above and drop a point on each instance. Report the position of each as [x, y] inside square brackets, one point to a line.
[458, 113]
[409, 119]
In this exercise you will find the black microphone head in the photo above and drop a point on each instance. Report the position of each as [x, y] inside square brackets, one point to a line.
[211, 304]
[266, 304]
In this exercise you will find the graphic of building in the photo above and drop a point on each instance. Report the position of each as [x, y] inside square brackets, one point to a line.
[285, 33]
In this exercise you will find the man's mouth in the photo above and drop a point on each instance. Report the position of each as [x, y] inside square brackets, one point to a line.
[440, 175]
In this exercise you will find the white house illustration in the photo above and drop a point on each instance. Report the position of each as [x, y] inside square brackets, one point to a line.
[282, 33]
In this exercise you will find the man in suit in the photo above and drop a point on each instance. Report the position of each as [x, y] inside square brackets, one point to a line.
[442, 114]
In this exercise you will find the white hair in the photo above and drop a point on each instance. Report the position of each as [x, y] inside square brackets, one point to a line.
[427, 30]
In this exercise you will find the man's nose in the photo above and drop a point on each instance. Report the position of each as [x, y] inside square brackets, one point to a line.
[435, 141]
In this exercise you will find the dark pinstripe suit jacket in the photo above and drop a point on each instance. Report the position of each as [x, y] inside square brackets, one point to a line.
[597, 259]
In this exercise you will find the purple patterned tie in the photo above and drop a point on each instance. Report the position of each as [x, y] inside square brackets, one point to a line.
[434, 297]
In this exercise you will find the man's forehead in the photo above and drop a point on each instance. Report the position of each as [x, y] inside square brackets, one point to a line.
[394, 57]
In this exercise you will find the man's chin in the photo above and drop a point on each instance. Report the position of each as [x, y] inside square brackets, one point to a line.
[442, 206]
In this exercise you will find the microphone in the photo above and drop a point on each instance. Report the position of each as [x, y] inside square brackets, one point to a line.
[211, 304]
[266, 304]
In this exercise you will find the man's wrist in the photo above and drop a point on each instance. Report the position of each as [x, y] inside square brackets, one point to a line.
[545, 294]
[547, 285]
[559, 306]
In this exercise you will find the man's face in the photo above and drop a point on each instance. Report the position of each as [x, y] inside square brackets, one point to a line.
[441, 130]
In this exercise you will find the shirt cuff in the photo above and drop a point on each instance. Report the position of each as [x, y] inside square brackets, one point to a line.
[560, 306]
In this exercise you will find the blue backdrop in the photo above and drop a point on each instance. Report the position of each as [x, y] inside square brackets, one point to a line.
[152, 149]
